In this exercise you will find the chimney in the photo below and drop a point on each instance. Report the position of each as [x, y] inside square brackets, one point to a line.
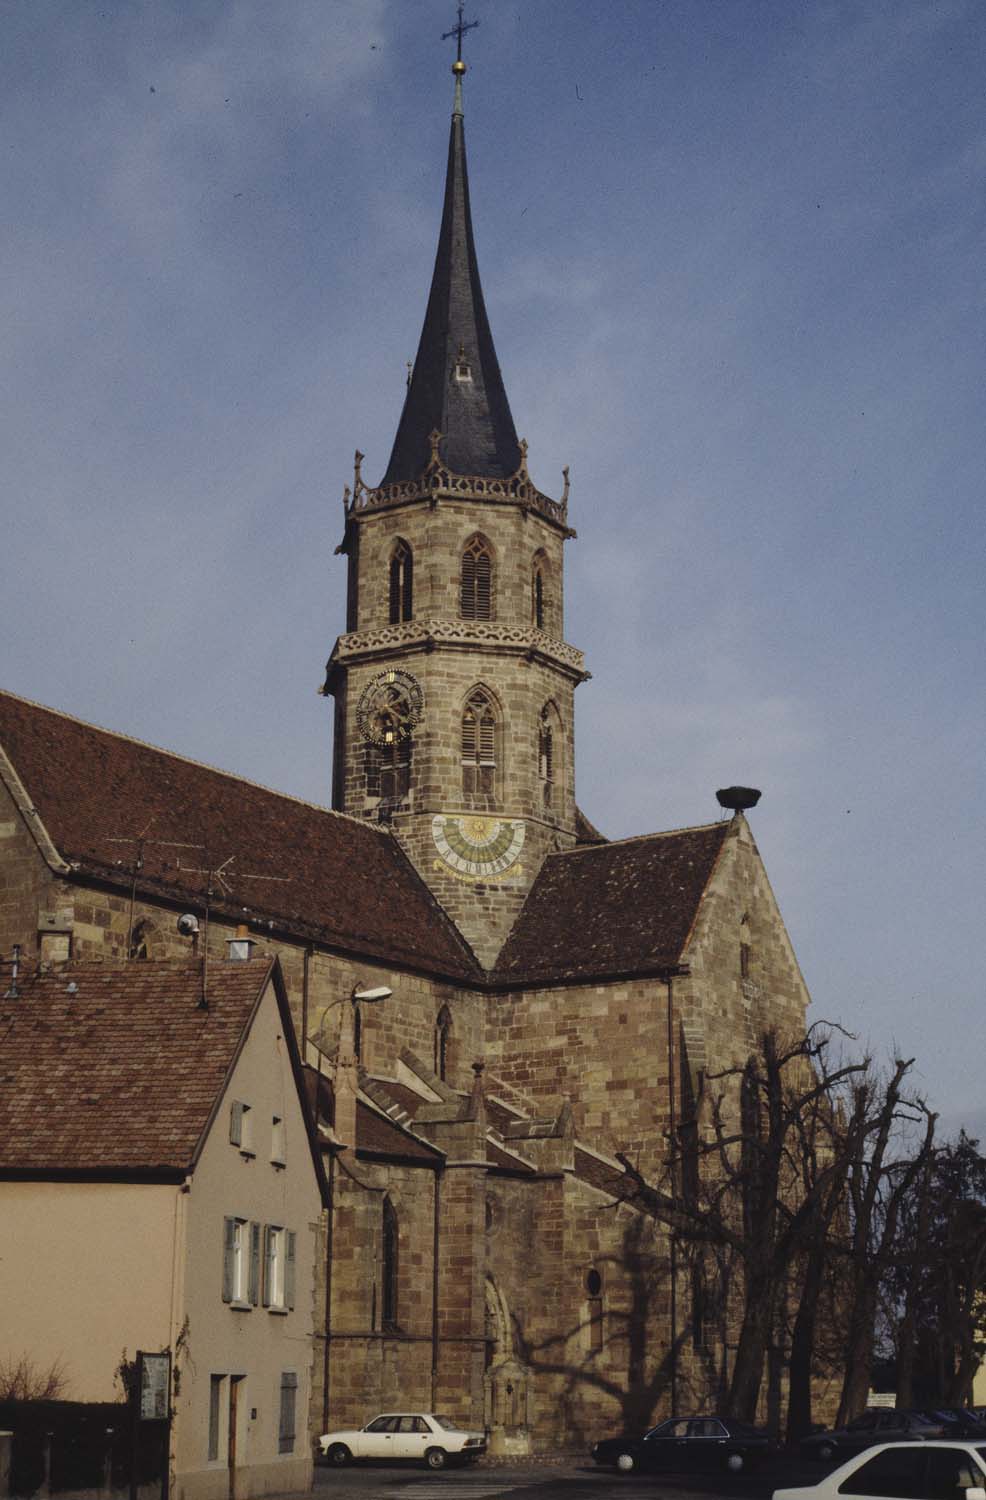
[241, 946]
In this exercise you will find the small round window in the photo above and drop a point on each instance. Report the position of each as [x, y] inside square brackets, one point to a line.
[593, 1283]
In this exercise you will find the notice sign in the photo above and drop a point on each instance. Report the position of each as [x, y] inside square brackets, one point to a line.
[155, 1386]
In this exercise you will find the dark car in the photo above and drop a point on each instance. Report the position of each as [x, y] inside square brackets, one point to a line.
[960, 1422]
[882, 1425]
[686, 1443]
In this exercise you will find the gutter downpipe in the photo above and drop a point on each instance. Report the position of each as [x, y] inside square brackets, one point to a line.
[327, 1323]
[436, 1229]
[672, 1245]
[304, 1001]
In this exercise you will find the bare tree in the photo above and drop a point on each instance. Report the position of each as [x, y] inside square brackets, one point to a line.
[758, 1199]
[22, 1380]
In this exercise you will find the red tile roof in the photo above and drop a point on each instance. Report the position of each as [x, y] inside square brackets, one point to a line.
[383, 1137]
[121, 1074]
[609, 909]
[313, 873]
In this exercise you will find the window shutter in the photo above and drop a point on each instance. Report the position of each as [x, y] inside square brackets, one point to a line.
[236, 1123]
[467, 595]
[268, 1268]
[229, 1239]
[484, 591]
[487, 740]
[395, 588]
[408, 599]
[286, 1424]
[253, 1290]
[469, 735]
[289, 1268]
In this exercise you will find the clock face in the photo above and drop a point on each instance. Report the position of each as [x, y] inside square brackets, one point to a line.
[389, 708]
[477, 848]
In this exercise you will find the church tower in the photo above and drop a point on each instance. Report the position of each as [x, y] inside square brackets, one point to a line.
[453, 684]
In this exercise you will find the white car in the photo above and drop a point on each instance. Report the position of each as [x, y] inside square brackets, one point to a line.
[436, 1441]
[925, 1470]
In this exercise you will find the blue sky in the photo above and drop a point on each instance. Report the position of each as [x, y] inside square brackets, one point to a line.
[733, 259]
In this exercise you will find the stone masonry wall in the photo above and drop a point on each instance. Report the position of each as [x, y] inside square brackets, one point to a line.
[604, 1046]
[437, 535]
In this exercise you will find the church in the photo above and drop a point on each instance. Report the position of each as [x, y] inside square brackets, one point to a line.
[491, 1000]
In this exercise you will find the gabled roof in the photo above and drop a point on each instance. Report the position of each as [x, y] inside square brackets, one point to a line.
[119, 1070]
[314, 873]
[610, 909]
[473, 414]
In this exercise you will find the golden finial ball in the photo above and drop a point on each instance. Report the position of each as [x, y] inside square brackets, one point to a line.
[459, 67]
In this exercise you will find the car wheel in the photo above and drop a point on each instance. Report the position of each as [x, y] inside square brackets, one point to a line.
[436, 1458]
[338, 1455]
[625, 1463]
[735, 1463]
[826, 1451]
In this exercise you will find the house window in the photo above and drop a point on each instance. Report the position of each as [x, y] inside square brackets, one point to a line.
[241, 1262]
[443, 1033]
[277, 1140]
[216, 1383]
[286, 1424]
[279, 1267]
[241, 1127]
[546, 765]
[389, 1266]
[401, 583]
[476, 582]
[479, 746]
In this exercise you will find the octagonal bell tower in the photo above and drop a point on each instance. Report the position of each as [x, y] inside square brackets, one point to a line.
[453, 684]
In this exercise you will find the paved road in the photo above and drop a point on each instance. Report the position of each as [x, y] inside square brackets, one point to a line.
[575, 1480]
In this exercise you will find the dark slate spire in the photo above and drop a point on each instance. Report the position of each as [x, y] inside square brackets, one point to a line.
[456, 387]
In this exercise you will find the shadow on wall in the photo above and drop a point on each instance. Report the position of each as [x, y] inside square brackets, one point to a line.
[635, 1364]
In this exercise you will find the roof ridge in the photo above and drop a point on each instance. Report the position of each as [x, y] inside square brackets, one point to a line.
[639, 838]
[189, 760]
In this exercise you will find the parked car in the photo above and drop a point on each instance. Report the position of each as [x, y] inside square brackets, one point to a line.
[926, 1470]
[686, 1443]
[435, 1440]
[882, 1425]
[960, 1422]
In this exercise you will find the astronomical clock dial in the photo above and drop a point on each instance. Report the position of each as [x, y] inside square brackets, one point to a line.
[477, 848]
[389, 708]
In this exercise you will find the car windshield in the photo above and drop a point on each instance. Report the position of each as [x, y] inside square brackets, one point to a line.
[448, 1424]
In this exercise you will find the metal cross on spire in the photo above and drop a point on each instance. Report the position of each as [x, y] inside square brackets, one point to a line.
[458, 31]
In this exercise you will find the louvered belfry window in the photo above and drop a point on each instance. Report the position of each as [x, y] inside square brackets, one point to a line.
[401, 583]
[479, 746]
[476, 588]
[388, 770]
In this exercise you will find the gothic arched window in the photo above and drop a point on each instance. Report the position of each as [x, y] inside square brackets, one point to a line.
[538, 590]
[479, 745]
[389, 1266]
[546, 755]
[401, 583]
[476, 581]
[443, 1035]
